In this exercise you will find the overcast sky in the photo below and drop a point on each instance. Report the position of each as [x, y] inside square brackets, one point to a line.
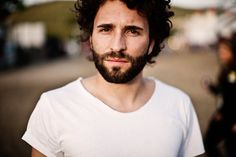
[191, 4]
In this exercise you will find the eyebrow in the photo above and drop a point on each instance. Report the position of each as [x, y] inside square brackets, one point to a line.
[105, 25]
[133, 27]
[109, 25]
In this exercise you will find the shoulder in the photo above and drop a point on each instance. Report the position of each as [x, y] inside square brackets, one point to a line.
[172, 100]
[63, 96]
[62, 101]
[175, 102]
[170, 92]
[68, 90]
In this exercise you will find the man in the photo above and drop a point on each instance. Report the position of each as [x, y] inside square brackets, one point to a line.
[117, 112]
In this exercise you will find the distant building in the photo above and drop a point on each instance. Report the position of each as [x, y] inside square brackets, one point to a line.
[28, 34]
[200, 29]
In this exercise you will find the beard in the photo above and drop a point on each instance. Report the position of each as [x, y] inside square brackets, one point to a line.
[115, 74]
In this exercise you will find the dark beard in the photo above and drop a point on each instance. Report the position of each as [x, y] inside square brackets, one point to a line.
[116, 75]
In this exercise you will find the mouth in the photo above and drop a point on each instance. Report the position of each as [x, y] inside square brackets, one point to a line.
[118, 60]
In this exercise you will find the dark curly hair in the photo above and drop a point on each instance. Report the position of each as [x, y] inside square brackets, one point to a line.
[157, 13]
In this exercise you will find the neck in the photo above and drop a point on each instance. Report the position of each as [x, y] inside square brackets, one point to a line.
[125, 97]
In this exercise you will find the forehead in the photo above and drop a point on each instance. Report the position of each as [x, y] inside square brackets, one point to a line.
[116, 12]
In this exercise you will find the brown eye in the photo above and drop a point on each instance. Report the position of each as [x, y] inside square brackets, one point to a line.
[133, 32]
[105, 30]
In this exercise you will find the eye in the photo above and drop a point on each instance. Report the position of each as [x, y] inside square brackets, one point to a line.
[133, 32]
[105, 29]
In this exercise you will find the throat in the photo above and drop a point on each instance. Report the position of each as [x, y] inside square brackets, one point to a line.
[122, 98]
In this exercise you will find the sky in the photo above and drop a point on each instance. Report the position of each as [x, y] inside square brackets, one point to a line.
[188, 4]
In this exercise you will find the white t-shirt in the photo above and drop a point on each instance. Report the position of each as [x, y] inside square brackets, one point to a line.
[70, 122]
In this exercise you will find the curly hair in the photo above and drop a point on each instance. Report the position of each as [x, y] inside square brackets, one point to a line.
[157, 13]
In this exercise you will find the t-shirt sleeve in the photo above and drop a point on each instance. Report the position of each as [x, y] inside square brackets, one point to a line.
[41, 132]
[193, 144]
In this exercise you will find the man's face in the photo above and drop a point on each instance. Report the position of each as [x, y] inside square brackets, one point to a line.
[120, 42]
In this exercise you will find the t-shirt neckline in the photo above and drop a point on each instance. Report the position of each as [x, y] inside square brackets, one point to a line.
[100, 104]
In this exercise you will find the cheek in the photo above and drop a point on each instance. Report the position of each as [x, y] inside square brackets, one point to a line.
[97, 46]
[100, 44]
[137, 47]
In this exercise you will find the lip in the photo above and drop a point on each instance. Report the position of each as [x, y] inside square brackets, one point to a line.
[118, 60]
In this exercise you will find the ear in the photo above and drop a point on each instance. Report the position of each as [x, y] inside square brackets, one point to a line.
[151, 45]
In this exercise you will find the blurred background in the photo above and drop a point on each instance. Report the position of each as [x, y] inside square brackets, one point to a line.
[39, 51]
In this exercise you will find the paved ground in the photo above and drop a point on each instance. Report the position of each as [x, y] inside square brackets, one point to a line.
[20, 90]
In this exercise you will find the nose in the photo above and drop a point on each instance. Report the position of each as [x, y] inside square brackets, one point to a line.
[118, 42]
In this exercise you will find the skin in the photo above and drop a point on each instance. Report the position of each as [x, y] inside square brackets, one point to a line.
[117, 28]
[225, 54]
[36, 153]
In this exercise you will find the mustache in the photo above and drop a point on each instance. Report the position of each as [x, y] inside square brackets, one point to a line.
[120, 55]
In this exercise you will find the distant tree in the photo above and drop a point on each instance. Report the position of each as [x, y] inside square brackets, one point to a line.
[9, 6]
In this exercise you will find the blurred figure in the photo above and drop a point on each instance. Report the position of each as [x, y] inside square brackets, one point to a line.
[222, 126]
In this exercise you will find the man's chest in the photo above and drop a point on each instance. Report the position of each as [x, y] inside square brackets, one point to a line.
[119, 137]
